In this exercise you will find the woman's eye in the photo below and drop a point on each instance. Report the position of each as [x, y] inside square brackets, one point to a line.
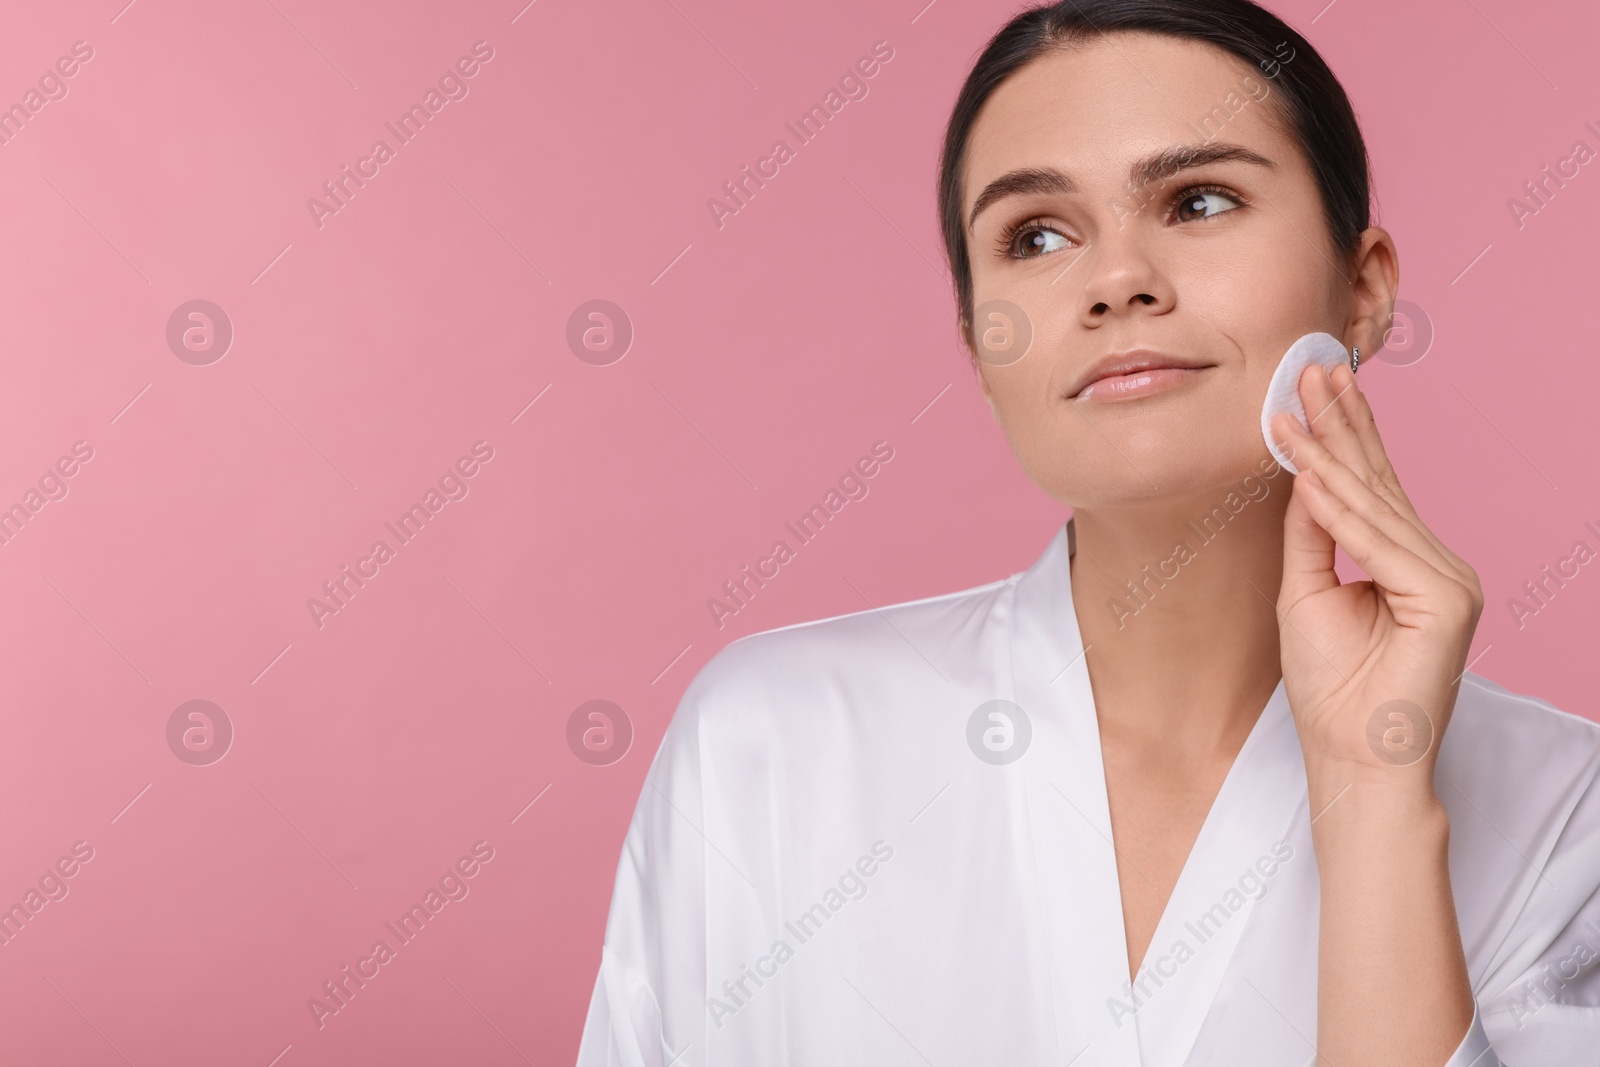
[1034, 240]
[1205, 204]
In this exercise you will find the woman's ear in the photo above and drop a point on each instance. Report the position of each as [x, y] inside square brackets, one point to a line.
[1372, 289]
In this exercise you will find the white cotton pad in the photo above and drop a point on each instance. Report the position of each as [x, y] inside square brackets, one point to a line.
[1283, 393]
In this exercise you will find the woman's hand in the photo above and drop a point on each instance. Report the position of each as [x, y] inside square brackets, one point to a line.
[1371, 668]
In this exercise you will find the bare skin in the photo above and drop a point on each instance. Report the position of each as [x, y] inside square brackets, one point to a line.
[1225, 264]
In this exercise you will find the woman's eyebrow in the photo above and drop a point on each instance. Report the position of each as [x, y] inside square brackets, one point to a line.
[1156, 167]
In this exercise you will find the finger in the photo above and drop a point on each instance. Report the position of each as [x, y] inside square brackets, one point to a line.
[1327, 420]
[1332, 394]
[1417, 593]
[1363, 426]
[1311, 454]
[1307, 552]
[1326, 423]
[1384, 483]
[1387, 483]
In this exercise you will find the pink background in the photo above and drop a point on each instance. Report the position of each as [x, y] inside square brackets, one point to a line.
[370, 353]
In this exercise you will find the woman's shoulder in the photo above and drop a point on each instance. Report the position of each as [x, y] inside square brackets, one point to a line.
[1493, 726]
[1516, 754]
[1516, 771]
[933, 638]
[1521, 781]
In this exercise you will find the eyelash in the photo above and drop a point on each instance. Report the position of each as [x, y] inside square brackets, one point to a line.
[1012, 231]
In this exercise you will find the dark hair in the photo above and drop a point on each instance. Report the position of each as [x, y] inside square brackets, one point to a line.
[1314, 105]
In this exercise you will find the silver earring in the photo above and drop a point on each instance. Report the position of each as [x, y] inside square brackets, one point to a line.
[1355, 359]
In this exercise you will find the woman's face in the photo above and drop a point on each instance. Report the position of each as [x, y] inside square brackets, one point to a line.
[1217, 265]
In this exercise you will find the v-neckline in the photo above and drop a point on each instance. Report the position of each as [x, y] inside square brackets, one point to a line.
[1080, 890]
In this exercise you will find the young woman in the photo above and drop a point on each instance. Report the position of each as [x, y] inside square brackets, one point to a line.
[1175, 794]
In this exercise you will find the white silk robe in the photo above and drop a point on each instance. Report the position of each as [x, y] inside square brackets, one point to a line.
[822, 870]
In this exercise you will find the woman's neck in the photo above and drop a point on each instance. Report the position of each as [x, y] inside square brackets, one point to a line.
[1177, 607]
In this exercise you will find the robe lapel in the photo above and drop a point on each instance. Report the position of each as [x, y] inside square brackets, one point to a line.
[1069, 817]
[1239, 853]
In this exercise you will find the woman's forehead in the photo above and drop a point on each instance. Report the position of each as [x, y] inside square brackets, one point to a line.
[1104, 102]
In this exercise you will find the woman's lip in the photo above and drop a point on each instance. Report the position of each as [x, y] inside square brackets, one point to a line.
[1146, 382]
